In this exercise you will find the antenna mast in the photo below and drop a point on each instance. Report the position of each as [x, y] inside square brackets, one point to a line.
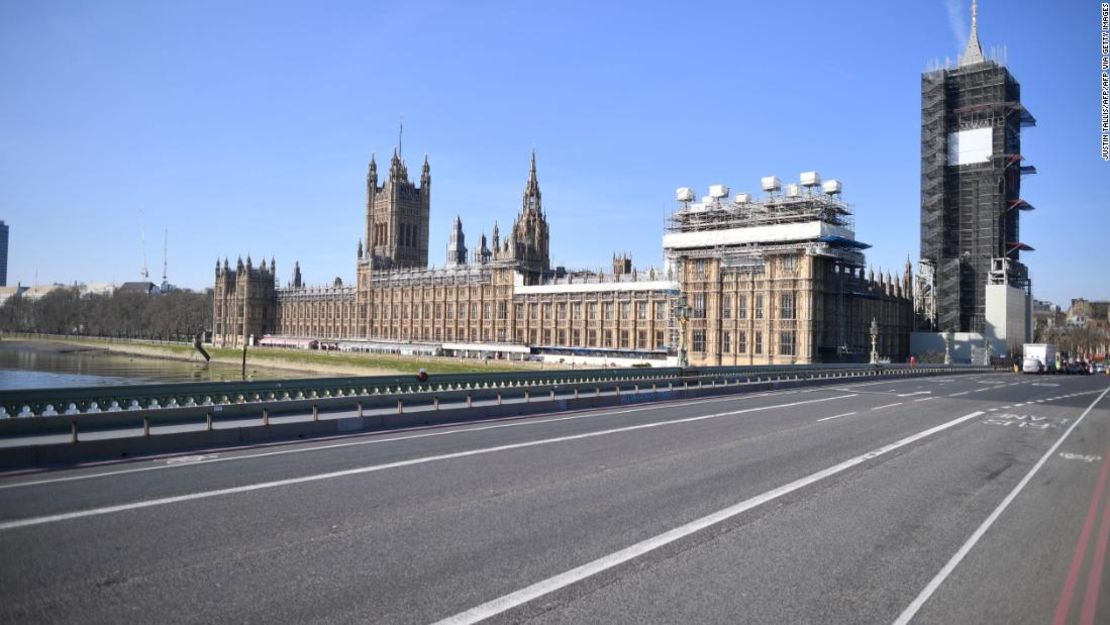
[165, 248]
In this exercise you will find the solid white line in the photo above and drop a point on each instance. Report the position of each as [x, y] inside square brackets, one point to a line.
[551, 584]
[886, 406]
[381, 467]
[935, 583]
[498, 424]
[846, 414]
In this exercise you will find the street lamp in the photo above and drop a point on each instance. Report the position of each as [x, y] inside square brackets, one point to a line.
[683, 314]
[874, 341]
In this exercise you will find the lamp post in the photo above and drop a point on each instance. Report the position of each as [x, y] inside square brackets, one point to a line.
[874, 341]
[947, 336]
[683, 313]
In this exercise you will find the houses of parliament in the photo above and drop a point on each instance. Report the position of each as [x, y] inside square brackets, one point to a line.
[776, 280]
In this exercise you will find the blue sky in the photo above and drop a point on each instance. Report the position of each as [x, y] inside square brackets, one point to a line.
[246, 127]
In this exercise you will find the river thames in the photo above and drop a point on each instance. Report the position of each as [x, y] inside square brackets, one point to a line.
[32, 364]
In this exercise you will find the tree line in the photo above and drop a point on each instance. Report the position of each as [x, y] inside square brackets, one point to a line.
[177, 315]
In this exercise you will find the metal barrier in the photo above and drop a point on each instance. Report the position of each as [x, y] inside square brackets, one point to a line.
[92, 408]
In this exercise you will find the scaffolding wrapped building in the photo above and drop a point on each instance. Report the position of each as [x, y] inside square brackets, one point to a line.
[971, 170]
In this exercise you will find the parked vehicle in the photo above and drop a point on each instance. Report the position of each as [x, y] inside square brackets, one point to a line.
[1032, 365]
[1043, 352]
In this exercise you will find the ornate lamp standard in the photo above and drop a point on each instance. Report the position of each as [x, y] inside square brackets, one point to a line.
[683, 313]
[874, 341]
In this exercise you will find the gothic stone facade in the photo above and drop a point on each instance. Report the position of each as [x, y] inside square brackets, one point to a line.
[506, 294]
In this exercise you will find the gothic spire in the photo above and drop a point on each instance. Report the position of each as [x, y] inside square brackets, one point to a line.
[426, 174]
[973, 53]
[532, 188]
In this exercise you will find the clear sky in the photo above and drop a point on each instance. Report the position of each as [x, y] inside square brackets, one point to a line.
[246, 127]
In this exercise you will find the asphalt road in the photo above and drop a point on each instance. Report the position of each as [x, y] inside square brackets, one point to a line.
[965, 499]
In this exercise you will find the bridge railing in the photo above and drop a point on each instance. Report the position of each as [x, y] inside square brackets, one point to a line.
[56, 410]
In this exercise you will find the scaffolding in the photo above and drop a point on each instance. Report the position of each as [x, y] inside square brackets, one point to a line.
[970, 203]
[745, 212]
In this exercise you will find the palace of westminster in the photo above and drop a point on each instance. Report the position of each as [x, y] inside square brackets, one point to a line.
[776, 280]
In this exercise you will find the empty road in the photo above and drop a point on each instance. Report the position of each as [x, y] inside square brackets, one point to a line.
[964, 499]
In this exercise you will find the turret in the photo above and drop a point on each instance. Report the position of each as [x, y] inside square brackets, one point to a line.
[456, 245]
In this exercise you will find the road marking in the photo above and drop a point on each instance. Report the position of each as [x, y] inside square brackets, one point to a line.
[846, 414]
[562, 580]
[958, 394]
[65, 516]
[1063, 604]
[189, 459]
[887, 406]
[916, 393]
[925, 399]
[1094, 574]
[1085, 458]
[930, 588]
[497, 423]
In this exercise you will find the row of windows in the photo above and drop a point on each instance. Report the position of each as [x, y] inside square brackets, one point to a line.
[786, 306]
[698, 266]
[548, 311]
[609, 338]
[786, 342]
[624, 339]
[407, 235]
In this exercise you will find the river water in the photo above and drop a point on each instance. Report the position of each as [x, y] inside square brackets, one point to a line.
[32, 364]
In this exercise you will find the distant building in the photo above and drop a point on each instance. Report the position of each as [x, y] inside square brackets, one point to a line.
[142, 287]
[3, 253]
[971, 171]
[1046, 317]
[8, 292]
[39, 291]
[1084, 312]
